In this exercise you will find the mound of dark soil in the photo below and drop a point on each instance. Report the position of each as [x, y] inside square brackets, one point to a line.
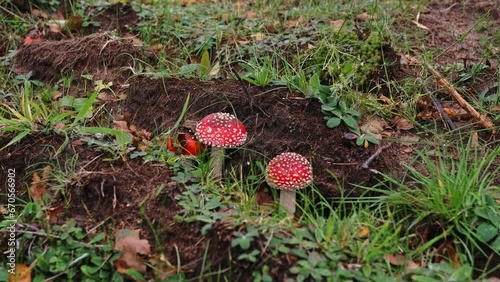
[99, 55]
[276, 119]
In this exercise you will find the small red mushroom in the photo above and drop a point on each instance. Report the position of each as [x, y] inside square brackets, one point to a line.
[288, 172]
[220, 130]
[188, 145]
[32, 36]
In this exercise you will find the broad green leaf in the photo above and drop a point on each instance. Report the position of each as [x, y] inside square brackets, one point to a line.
[333, 122]
[188, 69]
[350, 121]
[360, 141]
[486, 231]
[327, 107]
[371, 139]
[135, 274]
[463, 273]
[99, 237]
[205, 64]
[122, 138]
[496, 244]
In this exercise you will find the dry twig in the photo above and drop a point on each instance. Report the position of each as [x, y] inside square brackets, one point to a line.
[367, 163]
[482, 119]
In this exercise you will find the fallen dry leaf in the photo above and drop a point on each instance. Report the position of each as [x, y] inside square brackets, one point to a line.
[407, 59]
[37, 188]
[54, 213]
[385, 100]
[77, 142]
[271, 28]
[374, 126]
[23, 274]
[474, 143]
[59, 126]
[397, 259]
[409, 140]
[337, 23]
[402, 123]
[364, 17]
[259, 36]
[120, 125]
[251, 15]
[364, 232]
[128, 242]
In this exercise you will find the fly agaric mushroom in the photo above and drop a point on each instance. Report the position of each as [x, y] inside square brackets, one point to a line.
[220, 130]
[185, 144]
[288, 172]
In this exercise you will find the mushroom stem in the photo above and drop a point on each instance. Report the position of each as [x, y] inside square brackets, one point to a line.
[287, 200]
[216, 162]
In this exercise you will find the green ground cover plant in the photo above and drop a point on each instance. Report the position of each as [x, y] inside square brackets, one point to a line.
[405, 197]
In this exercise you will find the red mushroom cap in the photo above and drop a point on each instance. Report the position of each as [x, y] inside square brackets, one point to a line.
[221, 130]
[188, 145]
[289, 171]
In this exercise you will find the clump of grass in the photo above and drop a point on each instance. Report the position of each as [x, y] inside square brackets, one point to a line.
[456, 191]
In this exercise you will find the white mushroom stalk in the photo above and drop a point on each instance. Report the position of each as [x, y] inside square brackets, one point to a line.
[220, 130]
[289, 172]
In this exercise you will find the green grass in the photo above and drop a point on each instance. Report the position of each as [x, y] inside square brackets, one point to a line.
[452, 193]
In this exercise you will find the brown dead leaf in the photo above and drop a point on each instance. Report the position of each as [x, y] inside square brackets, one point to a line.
[77, 142]
[271, 28]
[251, 15]
[46, 172]
[103, 96]
[57, 95]
[128, 242]
[74, 23]
[120, 125]
[59, 126]
[407, 59]
[364, 232]
[243, 40]
[55, 28]
[385, 100]
[22, 274]
[291, 23]
[364, 17]
[409, 140]
[259, 36]
[474, 143]
[39, 14]
[54, 213]
[374, 126]
[424, 115]
[402, 123]
[37, 188]
[397, 259]
[337, 23]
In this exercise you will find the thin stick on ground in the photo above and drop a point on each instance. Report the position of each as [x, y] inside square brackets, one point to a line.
[367, 163]
[482, 119]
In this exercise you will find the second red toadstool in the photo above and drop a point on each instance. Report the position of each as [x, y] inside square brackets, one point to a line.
[184, 143]
[288, 172]
[220, 130]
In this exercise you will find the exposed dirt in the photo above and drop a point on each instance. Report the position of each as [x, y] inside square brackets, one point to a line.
[276, 119]
[100, 55]
[448, 21]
